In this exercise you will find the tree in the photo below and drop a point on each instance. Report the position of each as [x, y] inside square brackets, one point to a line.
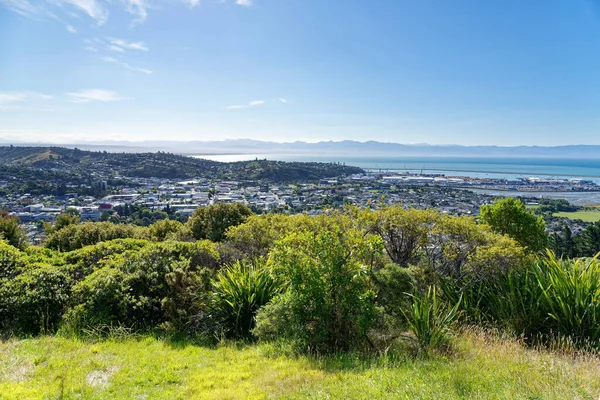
[212, 222]
[11, 231]
[510, 217]
[63, 220]
[589, 241]
[403, 232]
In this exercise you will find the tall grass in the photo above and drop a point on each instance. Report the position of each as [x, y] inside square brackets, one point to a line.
[239, 290]
[549, 299]
[571, 296]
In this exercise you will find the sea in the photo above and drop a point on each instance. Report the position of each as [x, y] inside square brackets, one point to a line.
[507, 168]
[476, 167]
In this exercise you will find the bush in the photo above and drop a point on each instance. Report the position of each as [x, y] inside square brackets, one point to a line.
[11, 261]
[11, 231]
[430, 320]
[393, 284]
[102, 298]
[145, 289]
[73, 237]
[329, 303]
[186, 303]
[36, 300]
[212, 222]
[239, 291]
[164, 229]
[84, 261]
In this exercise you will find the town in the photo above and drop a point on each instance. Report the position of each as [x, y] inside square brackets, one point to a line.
[159, 198]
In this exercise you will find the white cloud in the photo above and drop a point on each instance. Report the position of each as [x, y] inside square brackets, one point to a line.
[115, 48]
[138, 9]
[126, 65]
[282, 100]
[87, 95]
[71, 29]
[193, 3]
[254, 103]
[22, 7]
[13, 100]
[245, 3]
[141, 46]
[92, 8]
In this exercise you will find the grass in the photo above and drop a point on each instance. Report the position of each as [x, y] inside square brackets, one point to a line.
[585, 215]
[483, 366]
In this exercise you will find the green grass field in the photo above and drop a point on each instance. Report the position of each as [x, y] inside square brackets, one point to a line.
[147, 368]
[585, 215]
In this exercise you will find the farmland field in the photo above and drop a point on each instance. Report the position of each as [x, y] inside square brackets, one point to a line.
[584, 215]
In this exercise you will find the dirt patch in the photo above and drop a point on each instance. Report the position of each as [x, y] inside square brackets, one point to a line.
[100, 377]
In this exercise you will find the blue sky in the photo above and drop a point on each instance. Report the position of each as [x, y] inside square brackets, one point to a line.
[503, 72]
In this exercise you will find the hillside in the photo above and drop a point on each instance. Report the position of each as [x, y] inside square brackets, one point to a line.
[163, 165]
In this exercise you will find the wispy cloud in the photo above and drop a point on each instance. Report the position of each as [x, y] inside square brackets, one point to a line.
[115, 48]
[125, 65]
[98, 10]
[14, 100]
[137, 8]
[22, 7]
[282, 100]
[71, 29]
[92, 8]
[87, 95]
[123, 44]
[254, 103]
[245, 3]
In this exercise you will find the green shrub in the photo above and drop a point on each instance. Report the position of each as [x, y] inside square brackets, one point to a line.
[11, 261]
[239, 291]
[185, 305]
[102, 298]
[84, 261]
[164, 229]
[36, 299]
[329, 303]
[146, 288]
[10, 230]
[392, 285]
[430, 320]
[76, 236]
[212, 222]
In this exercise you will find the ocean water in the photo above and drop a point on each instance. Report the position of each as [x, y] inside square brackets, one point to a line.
[508, 168]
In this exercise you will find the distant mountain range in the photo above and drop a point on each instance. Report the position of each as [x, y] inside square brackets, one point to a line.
[346, 147]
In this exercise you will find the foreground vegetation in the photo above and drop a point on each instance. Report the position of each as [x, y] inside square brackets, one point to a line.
[482, 366]
[390, 301]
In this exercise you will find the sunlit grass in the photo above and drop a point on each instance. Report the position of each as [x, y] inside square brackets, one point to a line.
[584, 215]
[482, 366]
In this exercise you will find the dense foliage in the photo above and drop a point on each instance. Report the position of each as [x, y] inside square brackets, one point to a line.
[510, 217]
[352, 279]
